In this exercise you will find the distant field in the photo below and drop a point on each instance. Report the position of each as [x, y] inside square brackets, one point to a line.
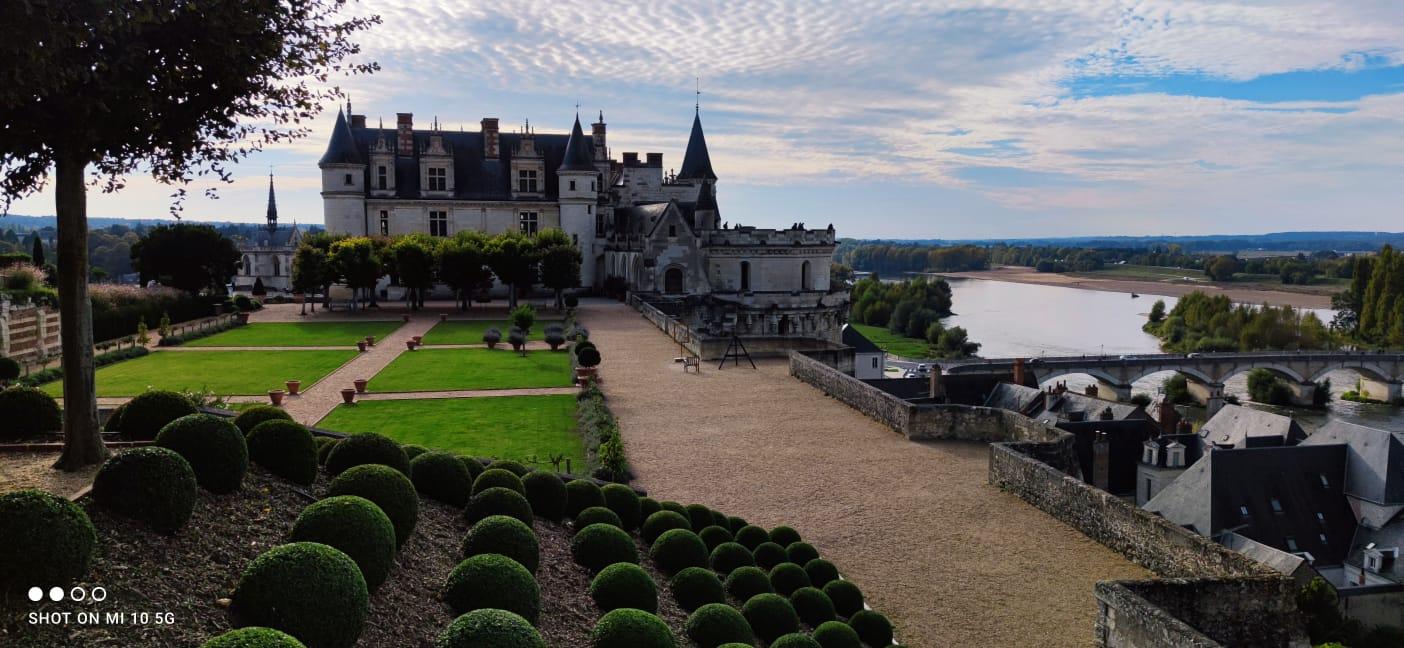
[297, 334]
[893, 343]
[1145, 273]
[471, 331]
[462, 369]
[226, 373]
[1322, 286]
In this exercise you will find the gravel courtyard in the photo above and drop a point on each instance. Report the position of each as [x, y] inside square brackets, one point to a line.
[951, 559]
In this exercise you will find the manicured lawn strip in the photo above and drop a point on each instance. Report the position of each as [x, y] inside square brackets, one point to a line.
[226, 373]
[893, 343]
[461, 369]
[471, 332]
[297, 334]
[524, 428]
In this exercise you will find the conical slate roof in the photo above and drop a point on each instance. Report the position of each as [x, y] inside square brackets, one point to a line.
[579, 153]
[696, 163]
[272, 205]
[342, 149]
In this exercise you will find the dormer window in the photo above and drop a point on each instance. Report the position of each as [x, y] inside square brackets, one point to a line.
[1291, 544]
[526, 181]
[1148, 454]
[438, 179]
[1175, 455]
[1276, 505]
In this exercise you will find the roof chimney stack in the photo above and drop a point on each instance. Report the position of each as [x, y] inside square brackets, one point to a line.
[358, 121]
[655, 160]
[404, 134]
[1101, 461]
[491, 149]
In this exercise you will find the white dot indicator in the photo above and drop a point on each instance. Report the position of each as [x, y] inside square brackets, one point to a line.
[36, 594]
[56, 594]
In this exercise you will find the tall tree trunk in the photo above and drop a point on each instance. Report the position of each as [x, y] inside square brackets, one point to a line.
[82, 440]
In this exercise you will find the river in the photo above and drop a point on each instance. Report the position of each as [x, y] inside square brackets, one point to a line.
[1027, 320]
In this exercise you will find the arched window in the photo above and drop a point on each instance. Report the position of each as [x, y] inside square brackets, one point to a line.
[804, 276]
[745, 275]
[673, 281]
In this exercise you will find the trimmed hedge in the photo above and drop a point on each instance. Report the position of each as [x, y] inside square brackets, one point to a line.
[735, 524]
[624, 585]
[872, 627]
[669, 505]
[695, 587]
[715, 536]
[747, 582]
[498, 478]
[784, 536]
[771, 616]
[795, 640]
[28, 412]
[441, 476]
[47, 541]
[600, 545]
[490, 629]
[677, 550]
[788, 577]
[508, 536]
[388, 488]
[493, 581]
[213, 446]
[699, 516]
[836, 634]
[114, 419]
[325, 445]
[308, 590]
[661, 522]
[648, 506]
[715, 624]
[516, 468]
[719, 519]
[356, 527]
[145, 415]
[580, 495]
[254, 638]
[286, 449]
[768, 555]
[547, 494]
[413, 450]
[813, 606]
[625, 503]
[498, 501]
[847, 598]
[249, 419]
[800, 553]
[728, 556]
[597, 515]
[153, 485]
[752, 536]
[474, 466]
[367, 448]
[821, 572]
[629, 628]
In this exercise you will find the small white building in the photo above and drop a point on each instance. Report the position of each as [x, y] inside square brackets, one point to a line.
[869, 360]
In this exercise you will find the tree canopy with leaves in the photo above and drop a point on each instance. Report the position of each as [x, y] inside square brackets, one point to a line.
[560, 261]
[356, 262]
[462, 262]
[185, 256]
[414, 263]
[513, 257]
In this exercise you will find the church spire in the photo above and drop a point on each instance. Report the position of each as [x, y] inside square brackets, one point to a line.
[272, 206]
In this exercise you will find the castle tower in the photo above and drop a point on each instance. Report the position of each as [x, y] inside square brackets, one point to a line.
[272, 215]
[579, 193]
[343, 182]
[706, 214]
[697, 164]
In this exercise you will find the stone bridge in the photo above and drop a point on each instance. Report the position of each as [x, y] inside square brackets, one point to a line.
[1381, 373]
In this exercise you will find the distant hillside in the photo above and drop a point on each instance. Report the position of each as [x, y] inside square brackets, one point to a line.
[1276, 241]
[17, 222]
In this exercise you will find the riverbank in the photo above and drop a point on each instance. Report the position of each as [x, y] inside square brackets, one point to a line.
[1237, 293]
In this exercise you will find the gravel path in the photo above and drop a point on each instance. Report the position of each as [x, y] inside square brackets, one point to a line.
[951, 559]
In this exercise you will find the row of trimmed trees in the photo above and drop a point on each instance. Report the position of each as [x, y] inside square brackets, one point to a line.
[467, 263]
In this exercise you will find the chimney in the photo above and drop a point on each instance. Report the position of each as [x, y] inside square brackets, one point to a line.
[937, 385]
[1169, 417]
[597, 134]
[404, 134]
[1091, 390]
[358, 121]
[631, 159]
[1018, 371]
[491, 149]
[655, 160]
[1101, 461]
[1049, 399]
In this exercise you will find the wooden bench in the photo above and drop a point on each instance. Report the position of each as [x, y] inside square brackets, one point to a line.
[692, 362]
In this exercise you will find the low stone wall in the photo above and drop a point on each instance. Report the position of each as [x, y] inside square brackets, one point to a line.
[1126, 619]
[876, 403]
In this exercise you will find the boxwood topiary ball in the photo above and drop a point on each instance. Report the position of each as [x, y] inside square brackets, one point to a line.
[498, 501]
[474, 466]
[836, 634]
[784, 536]
[728, 556]
[498, 478]
[516, 468]
[847, 598]
[768, 555]
[490, 629]
[720, 519]
[629, 628]
[625, 503]
[695, 587]
[715, 624]
[821, 572]
[800, 553]
[249, 419]
[508, 536]
[145, 415]
[413, 450]
[367, 448]
[872, 627]
[580, 495]
[114, 419]
[254, 638]
[752, 536]
[286, 449]
[324, 448]
[47, 541]
[28, 412]
[600, 545]
[308, 590]
[648, 506]
[669, 505]
[813, 606]
[547, 494]
[390, 489]
[493, 581]
[153, 485]
[678, 549]
[624, 585]
[355, 526]
[747, 582]
[660, 522]
[734, 524]
[699, 516]
[788, 577]
[213, 446]
[770, 616]
[441, 476]
[795, 640]
[714, 536]
[597, 515]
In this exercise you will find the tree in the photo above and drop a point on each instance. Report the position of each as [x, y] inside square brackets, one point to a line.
[311, 273]
[560, 263]
[414, 262]
[1157, 311]
[462, 264]
[1223, 267]
[513, 258]
[356, 264]
[955, 343]
[38, 253]
[186, 256]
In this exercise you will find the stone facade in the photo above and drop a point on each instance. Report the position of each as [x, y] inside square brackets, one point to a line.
[28, 333]
[268, 255]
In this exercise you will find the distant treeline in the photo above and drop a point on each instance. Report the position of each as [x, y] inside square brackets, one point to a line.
[1199, 323]
[1216, 243]
[913, 309]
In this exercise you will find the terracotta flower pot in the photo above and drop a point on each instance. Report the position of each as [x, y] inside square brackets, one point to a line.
[361, 345]
[360, 384]
[294, 386]
[370, 340]
[348, 396]
[418, 339]
[275, 396]
[411, 344]
[584, 375]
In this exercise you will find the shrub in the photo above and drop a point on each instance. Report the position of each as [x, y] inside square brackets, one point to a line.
[582, 494]
[388, 488]
[678, 549]
[588, 357]
[308, 590]
[768, 555]
[153, 485]
[498, 478]
[554, 339]
[474, 466]
[800, 553]
[47, 540]
[847, 598]
[695, 587]
[836, 634]
[254, 638]
[597, 515]
[498, 501]
[728, 556]
[715, 624]
[734, 524]
[413, 450]
[9, 369]
[493, 581]
[660, 522]
[795, 640]
[751, 536]
[600, 545]
[571, 301]
[784, 536]
[441, 476]
[356, 527]
[286, 449]
[214, 448]
[669, 505]
[699, 516]
[770, 616]
[546, 493]
[788, 577]
[715, 536]
[28, 412]
[248, 419]
[508, 536]
[491, 337]
[821, 572]
[114, 420]
[517, 338]
[625, 503]
[324, 449]
[872, 627]
[624, 585]
[513, 467]
[146, 414]
[719, 519]
[629, 628]
[489, 629]
[367, 448]
[745, 582]
[581, 346]
[648, 506]
[812, 606]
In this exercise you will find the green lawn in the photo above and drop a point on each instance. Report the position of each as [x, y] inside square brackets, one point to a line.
[298, 334]
[226, 373]
[471, 332]
[524, 428]
[457, 369]
[893, 343]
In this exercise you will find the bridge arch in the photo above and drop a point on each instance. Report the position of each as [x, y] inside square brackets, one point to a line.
[1278, 370]
[1053, 374]
[1368, 370]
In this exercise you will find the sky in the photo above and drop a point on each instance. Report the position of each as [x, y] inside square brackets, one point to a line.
[944, 119]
